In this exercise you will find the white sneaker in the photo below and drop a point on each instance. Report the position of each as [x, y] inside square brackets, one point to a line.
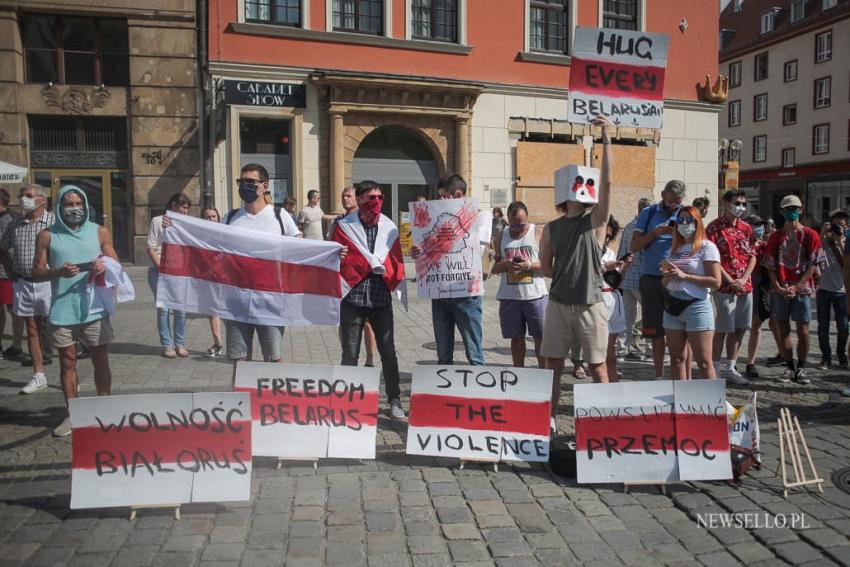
[732, 375]
[553, 427]
[396, 411]
[63, 429]
[37, 382]
[787, 376]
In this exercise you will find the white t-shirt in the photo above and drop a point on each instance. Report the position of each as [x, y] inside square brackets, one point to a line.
[155, 235]
[523, 286]
[692, 263]
[311, 219]
[265, 221]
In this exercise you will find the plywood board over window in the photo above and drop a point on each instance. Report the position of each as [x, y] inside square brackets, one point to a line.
[633, 178]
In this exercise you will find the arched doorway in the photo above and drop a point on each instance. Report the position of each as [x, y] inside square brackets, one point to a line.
[400, 162]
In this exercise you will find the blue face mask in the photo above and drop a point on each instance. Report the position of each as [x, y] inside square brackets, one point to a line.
[758, 232]
[791, 216]
[248, 192]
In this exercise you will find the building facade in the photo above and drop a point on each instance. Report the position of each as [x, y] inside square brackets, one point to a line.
[330, 92]
[104, 95]
[789, 100]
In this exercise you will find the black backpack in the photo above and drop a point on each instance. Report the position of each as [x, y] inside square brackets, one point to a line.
[277, 210]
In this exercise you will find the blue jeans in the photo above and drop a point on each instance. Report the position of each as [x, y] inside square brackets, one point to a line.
[465, 313]
[162, 322]
[837, 302]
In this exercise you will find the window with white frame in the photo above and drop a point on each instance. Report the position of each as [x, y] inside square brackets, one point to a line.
[435, 19]
[823, 92]
[737, 5]
[286, 12]
[767, 22]
[798, 10]
[827, 4]
[790, 73]
[547, 26]
[760, 67]
[789, 157]
[760, 148]
[760, 107]
[823, 47]
[789, 114]
[620, 14]
[735, 74]
[359, 16]
[735, 113]
[820, 139]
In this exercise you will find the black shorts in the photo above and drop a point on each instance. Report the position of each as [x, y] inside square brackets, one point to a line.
[652, 306]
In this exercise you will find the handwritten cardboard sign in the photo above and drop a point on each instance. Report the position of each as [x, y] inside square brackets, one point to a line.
[302, 411]
[618, 74]
[480, 413]
[153, 449]
[447, 232]
[659, 431]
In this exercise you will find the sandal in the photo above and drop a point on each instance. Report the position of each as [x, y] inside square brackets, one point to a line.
[579, 373]
[182, 352]
[169, 353]
[214, 351]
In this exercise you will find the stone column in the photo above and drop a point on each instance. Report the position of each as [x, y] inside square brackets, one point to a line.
[337, 161]
[462, 148]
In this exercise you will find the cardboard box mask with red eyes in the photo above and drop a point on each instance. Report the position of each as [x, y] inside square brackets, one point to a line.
[577, 183]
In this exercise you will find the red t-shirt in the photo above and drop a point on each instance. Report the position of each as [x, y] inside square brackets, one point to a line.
[735, 243]
[791, 255]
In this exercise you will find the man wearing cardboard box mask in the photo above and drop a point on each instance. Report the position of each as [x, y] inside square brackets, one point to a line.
[570, 253]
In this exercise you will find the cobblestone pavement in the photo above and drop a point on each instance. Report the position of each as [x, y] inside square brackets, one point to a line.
[399, 510]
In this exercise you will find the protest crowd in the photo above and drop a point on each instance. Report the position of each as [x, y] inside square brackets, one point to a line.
[575, 285]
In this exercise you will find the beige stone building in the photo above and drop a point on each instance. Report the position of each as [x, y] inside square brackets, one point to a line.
[103, 94]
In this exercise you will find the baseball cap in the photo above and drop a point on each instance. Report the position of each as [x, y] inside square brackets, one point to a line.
[790, 201]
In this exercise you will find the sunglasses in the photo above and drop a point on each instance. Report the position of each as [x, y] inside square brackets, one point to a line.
[376, 197]
[740, 204]
[686, 220]
[793, 209]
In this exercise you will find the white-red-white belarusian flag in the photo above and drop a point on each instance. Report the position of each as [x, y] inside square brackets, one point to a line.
[248, 276]
[360, 262]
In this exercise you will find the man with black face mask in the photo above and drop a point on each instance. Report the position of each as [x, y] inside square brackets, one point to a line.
[257, 214]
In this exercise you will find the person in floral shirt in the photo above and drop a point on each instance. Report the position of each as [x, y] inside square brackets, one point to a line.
[791, 257]
[733, 301]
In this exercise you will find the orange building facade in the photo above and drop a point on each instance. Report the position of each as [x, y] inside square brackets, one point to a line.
[326, 93]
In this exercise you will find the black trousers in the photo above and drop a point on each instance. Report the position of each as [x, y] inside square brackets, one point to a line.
[351, 321]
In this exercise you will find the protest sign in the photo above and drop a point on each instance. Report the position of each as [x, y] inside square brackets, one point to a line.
[303, 411]
[618, 74]
[145, 450]
[248, 276]
[447, 234]
[744, 426]
[660, 431]
[480, 413]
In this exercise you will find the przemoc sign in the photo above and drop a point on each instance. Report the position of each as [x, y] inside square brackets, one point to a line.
[618, 74]
[263, 93]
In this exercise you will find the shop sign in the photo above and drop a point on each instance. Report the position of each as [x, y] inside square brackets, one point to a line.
[732, 175]
[263, 93]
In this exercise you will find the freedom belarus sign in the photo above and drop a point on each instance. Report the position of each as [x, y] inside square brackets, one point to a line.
[480, 413]
[659, 431]
[303, 411]
[144, 450]
[618, 74]
[447, 233]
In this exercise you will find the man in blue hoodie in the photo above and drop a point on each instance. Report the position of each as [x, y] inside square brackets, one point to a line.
[73, 246]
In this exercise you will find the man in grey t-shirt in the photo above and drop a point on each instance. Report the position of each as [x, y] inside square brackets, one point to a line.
[310, 217]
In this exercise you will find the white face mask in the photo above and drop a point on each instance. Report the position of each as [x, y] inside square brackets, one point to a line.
[686, 230]
[739, 210]
[28, 204]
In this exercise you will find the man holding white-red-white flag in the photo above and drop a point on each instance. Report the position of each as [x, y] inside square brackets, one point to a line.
[372, 269]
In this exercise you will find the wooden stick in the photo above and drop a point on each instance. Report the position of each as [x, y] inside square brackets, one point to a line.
[792, 442]
[806, 448]
[782, 457]
[134, 509]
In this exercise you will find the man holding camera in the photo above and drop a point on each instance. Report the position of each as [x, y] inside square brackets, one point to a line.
[831, 295]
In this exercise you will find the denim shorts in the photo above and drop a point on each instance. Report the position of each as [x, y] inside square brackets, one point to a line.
[240, 340]
[798, 309]
[698, 316]
[516, 315]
